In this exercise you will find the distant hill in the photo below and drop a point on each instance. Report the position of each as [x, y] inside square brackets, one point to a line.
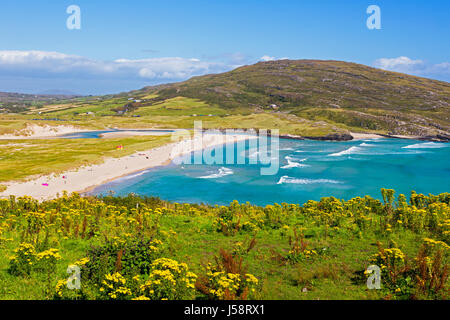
[20, 102]
[333, 91]
[57, 92]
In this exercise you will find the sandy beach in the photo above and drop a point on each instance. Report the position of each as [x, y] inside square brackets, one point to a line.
[41, 132]
[88, 177]
[362, 136]
[50, 132]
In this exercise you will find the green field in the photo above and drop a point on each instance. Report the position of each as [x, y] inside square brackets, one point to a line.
[178, 251]
[23, 159]
[179, 112]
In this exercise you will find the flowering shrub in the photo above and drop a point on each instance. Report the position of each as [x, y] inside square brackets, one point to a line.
[123, 241]
[114, 288]
[226, 286]
[395, 272]
[62, 292]
[228, 279]
[169, 280]
[46, 261]
[26, 260]
[23, 261]
[426, 274]
[431, 272]
[128, 255]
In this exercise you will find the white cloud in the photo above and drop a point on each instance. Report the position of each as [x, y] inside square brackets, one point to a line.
[267, 58]
[415, 67]
[443, 68]
[43, 64]
[36, 71]
[398, 64]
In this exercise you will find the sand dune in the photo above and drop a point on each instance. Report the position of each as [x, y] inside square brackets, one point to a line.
[37, 132]
[362, 136]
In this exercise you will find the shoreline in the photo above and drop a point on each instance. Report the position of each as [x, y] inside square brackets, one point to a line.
[55, 132]
[93, 187]
[87, 178]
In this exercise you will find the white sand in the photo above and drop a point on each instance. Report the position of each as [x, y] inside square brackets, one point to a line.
[363, 136]
[406, 137]
[86, 178]
[35, 131]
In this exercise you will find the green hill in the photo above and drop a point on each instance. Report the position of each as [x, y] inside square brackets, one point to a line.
[301, 97]
[332, 91]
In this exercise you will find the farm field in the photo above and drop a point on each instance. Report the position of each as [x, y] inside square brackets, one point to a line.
[178, 112]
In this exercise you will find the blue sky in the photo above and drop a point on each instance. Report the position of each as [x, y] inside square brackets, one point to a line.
[124, 45]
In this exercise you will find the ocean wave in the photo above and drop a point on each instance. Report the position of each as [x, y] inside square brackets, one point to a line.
[294, 159]
[294, 163]
[287, 149]
[425, 145]
[351, 150]
[366, 145]
[290, 180]
[255, 154]
[222, 172]
[250, 153]
[135, 175]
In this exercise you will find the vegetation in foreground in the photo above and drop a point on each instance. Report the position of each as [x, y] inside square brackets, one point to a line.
[144, 248]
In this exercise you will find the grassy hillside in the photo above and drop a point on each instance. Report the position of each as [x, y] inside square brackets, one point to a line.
[336, 92]
[303, 97]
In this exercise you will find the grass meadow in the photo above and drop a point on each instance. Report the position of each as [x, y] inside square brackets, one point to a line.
[144, 248]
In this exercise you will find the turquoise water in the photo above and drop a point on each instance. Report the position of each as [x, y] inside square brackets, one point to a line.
[308, 170]
[96, 134]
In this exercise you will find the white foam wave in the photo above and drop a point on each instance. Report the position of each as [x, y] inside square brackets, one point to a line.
[351, 150]
[255, 153]
[222, 172]
[290, 180]
[294, 164]
[366, 145]
[425, 145]
[134, 175]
